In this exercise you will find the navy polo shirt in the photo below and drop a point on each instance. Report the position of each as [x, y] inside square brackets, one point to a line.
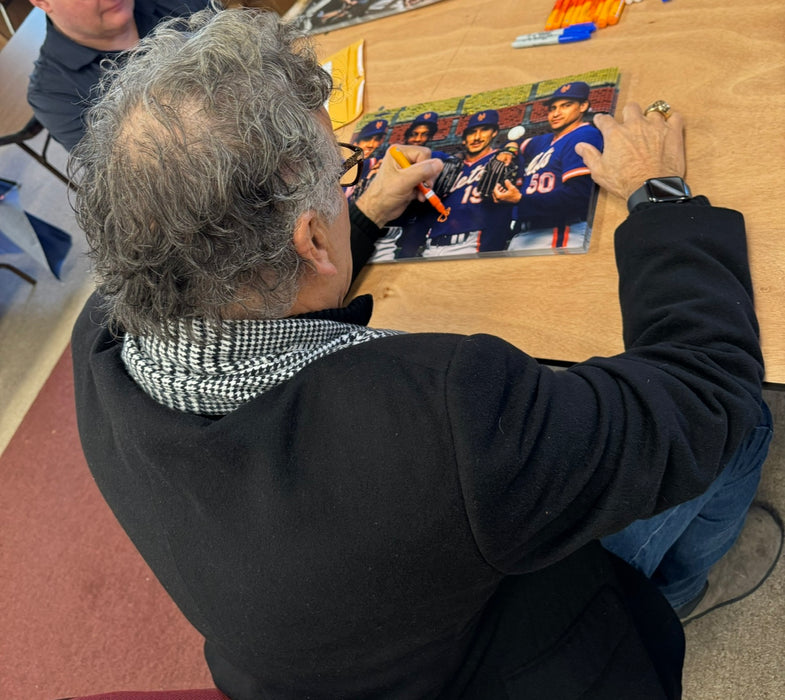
[65, 73]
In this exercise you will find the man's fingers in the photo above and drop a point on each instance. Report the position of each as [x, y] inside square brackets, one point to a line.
[414, 154]
[632, 110]
[676, 121]
[427, 170]
[589, 153]
[605, 122]
[423, 168]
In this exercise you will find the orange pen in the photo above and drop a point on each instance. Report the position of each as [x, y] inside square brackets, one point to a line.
[596, 10]
[613, 16]
[585, 13]
[569, 12]
[553, 17]
[430, 195]
[605, 11]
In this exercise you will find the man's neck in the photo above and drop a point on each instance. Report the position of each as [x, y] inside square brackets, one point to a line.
[473, 159]
[567, 129]
[126, 39]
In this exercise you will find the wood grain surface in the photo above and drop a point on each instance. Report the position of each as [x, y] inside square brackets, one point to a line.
[721, 63]
[16, 64]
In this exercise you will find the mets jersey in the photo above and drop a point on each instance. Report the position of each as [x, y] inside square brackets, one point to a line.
[557, 186]
[473, 210]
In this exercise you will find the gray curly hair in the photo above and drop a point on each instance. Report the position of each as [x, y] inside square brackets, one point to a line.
[197, 160]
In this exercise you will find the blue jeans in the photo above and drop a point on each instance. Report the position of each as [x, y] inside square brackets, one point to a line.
[676, 548]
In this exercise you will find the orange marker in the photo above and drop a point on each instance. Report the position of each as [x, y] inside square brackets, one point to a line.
[585, 13]
[569, 13]
[605, 10]
[596, 10]
[615, 15]
[553, 17]
[559, 17]
[430, 195]
[557, 14]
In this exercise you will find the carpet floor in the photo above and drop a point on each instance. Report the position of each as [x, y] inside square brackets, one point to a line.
[81, 611]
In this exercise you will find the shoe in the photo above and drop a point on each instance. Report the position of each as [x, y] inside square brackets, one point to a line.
[744, 568]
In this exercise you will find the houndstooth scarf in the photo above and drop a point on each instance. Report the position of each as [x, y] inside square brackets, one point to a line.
[214, 375]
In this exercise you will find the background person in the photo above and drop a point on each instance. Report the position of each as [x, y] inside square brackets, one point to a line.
[370, 139]
[79, 35]
[346, 511]
[421, 132]
[422, 129]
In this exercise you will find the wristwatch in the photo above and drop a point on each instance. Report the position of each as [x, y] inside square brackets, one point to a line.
[658, 190]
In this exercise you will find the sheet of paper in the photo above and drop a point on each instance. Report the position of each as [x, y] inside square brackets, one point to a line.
[347, 69]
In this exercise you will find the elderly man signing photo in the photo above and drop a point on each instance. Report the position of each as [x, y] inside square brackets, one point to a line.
[345, 511]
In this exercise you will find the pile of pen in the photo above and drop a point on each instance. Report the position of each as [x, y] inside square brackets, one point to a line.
[568, 12]
[574, 20]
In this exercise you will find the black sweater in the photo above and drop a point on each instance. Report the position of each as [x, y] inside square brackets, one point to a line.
[416, 516]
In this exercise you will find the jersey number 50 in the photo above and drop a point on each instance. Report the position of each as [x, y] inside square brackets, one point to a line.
[542, 183]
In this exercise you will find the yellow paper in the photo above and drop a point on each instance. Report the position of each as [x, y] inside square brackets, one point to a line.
[346, 67]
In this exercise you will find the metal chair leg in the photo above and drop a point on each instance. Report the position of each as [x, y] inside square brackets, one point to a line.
[7, 19]
[17, 271]
[41, 158]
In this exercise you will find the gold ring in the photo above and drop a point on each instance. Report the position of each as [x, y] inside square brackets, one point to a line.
[660, 106]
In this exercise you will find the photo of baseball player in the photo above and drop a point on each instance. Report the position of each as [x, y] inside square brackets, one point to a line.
[511, 182]
[405, 237]
[421, 132]
[553, 200]
[370, 139]
[478, 221]
[336, 11]
[325, 15]
[371, 136]
[422, 129]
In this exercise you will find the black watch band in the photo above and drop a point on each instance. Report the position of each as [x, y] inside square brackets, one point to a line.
[660, 190]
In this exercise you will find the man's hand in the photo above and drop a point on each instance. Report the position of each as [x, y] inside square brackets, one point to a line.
[390, 192]
[504, 156]
[640, 148]
[507, 193]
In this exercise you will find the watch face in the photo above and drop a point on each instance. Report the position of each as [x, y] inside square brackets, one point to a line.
[665, 189]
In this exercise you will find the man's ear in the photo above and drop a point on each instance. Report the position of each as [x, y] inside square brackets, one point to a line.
[311, 243]
[43, 4]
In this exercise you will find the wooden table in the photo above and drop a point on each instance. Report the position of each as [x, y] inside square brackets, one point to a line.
[719, 62]
[16, 64]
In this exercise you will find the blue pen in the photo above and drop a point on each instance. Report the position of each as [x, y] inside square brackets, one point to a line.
[525, 42]
[571, 29]
[574, 32]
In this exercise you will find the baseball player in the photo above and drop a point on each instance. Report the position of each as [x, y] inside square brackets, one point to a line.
[370, 139]
[371, 136]
[406, 235]
[478, 221]
[553, 199]
[422, 129]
